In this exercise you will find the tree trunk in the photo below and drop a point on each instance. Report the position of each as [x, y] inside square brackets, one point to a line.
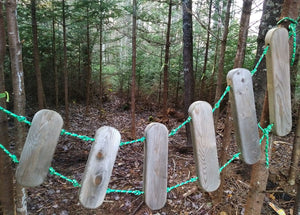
[133, 130]
[222, 60]
[65, 68]
[6, 173]
[189, 82]
[243, 34]
[271, 12]
[166, 63]
[296, 153]
[100, 61]
[88, 63]
[15, 51]
[259, 172]
[36, 56]
[54, 61]
[203, 80]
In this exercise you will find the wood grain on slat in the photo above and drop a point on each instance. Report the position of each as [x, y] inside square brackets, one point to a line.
[99, 167]
[156, 165]
[39, 148]
[204, 145]
[244, 114]
[278, 76]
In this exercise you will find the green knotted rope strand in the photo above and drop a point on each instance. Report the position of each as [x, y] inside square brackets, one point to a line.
[266, 131]
[292, 31]
[12, 156]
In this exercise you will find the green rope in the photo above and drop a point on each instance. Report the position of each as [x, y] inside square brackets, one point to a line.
[228, 162]
[82, 137]
[182, 183]
[12, 156]
[19, 118]
[133, 141]
[260, 59]
[292, 32]
[266, 132]
[5, 95]
[217, 105]
[174, 131]
[135, 192]
[73, 181]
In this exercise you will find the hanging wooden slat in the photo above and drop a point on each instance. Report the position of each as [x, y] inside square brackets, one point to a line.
[156, 165]
[39, 148]
[99, 167]
[204, 145]
[244, 114]
[278, 80]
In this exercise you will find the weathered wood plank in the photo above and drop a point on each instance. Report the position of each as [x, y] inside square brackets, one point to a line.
[39, 148]
[204, 145]
[278, 80]
[99, 167]
[244, 114]
[156, 165]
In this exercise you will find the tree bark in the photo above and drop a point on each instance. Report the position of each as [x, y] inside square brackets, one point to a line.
[220, 78]
[243, 34]
[54, 61]
[36, 56]
[65, 66]
[203, 80]
[166, 63]
[259, 172]
[133, 129]
[6, 173]
[88, 63]
[189, 82]
[100, 60]
[271, 12]
[15, 51]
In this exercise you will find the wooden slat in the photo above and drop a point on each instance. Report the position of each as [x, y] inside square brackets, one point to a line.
[244, 114]
[204, 145]
[156, 165]
[278, 76]
[39, 148]
[99, 167]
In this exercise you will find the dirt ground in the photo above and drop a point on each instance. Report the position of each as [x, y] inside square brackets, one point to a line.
[56, 196]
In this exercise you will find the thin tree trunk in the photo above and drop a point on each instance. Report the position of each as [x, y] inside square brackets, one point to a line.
[243, 34]
[15, 51]
[189, 82]
[36, 56]
[259, 172]
[133, 130]
[101, 62]
[6, 173]
[88, 65]
[65, 68]
[166, 63]
[222, 60]
[296, 153]
[297, 202]
[54, 61]
[202, 85]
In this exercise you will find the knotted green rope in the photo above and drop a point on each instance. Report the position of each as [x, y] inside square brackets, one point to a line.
[12, 156]
[266, 131]
[292, 32]
[73, 181]
[5, 95]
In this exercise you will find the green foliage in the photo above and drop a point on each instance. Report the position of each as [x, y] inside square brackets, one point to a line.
[115, 16]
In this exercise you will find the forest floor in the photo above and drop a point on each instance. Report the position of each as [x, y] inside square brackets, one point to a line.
[57, 196]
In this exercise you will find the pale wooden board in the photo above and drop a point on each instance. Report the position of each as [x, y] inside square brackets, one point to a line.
[156, 165]
[244, 114]
[278, 80]
[204, 145]
[39, 148]
[99, 167]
